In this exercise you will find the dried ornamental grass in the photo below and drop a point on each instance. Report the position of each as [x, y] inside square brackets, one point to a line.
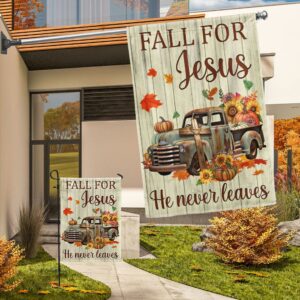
[10, 255]
[31, 221]
[248, 236]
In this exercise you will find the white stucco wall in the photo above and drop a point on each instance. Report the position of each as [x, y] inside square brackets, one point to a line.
[279, 33]
[14, 138]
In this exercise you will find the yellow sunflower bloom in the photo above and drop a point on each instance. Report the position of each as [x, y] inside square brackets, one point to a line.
[221, 160]
[232, 108]
[254, 106]
[98, 239]
[229, 159]
[90, 245]
[206, 176]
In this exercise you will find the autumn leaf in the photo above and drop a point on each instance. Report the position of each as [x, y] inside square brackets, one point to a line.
[209, 94]
[259, 161]
[176, 115]
[196, 268]
[67, 285]
[77, 201]
[181, 175]
[70, 198]
[78, 244]
[152, 72]
[149, 102]
[71, 289]
[212, 92]
[258, 172]
[68, 211]
[168, 78]
[23, 292]
[43, 292]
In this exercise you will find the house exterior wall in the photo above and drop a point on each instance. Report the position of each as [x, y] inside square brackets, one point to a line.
[278, 34]
[14, 138]
[108, 147]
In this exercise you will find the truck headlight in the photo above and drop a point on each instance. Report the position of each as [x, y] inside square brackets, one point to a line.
[181, 149]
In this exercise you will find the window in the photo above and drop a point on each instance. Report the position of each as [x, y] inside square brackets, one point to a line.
[55, 145]
[48, 13]
[217, 119]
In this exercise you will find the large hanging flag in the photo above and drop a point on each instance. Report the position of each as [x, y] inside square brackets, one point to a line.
[201, 116]
[90, 218]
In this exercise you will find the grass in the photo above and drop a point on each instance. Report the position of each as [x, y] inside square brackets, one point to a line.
[288, 205]
[36, 274]
[176, 261]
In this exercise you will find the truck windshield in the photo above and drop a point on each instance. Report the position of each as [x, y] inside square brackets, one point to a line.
[201, 119]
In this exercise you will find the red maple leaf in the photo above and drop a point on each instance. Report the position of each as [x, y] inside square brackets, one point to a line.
[259, 161]
[68, 211]
[70, 198]
[152, 72]
[149, 101]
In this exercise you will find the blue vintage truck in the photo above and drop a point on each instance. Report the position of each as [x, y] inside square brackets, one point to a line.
[205, 133]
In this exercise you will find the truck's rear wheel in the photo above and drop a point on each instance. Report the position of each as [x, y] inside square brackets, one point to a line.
[194, 168]
[164, 173]
[253, 150]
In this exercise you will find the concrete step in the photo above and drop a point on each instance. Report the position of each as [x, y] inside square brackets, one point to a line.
[49, 230]
[48, 240]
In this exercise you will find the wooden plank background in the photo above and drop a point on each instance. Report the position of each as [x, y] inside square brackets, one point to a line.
[183, 101]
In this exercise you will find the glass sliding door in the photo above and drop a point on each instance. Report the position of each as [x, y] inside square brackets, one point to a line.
[55, 145]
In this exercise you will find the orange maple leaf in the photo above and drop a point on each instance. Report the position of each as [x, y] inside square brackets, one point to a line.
[77, 201]
[181, 175]
[152, 72]
[258, 172]
[78, 244]
[149, 102]
[68, 211]
[168, 78]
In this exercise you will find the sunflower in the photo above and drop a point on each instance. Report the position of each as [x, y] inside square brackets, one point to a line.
[221, 160]
[229, 160]
[253, 106]
[206, 176]
[98, 239]
[90, 245]
[232, 108]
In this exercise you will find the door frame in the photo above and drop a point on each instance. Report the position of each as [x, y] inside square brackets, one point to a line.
[47, 143]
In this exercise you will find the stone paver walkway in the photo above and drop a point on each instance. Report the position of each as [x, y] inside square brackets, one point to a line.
[130, 283]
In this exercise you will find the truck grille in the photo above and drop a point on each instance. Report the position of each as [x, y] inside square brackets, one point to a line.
[165, 155]
[72, 235]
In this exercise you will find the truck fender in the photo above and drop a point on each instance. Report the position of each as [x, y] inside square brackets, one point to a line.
[248, 137]
[190, 150]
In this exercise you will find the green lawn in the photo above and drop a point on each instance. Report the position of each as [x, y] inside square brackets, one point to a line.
[38, 272]
[67, 163]
[176, 261]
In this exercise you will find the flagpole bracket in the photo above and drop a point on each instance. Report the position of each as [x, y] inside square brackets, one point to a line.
[262, 15]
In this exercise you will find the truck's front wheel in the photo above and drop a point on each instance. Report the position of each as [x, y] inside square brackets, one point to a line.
[253, 150]
[164, 173]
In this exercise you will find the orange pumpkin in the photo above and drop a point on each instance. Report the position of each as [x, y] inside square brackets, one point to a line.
[225, 174]
[163, 126]
[248, 117]
[72, 222]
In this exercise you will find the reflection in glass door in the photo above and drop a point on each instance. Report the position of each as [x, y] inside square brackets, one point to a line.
[65, 159]
[55, 145]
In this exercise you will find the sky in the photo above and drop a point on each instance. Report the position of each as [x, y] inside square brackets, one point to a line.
[204, 5]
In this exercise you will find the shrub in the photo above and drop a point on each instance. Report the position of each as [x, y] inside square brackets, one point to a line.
[288, 205]
[30, 224]
[247, 236]
[10, 255]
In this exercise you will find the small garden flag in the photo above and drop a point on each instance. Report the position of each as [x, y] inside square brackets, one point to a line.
[201, 116]
[90, 218]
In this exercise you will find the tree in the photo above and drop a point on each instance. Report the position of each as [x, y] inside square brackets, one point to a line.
[62, 122]
[25, 13]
